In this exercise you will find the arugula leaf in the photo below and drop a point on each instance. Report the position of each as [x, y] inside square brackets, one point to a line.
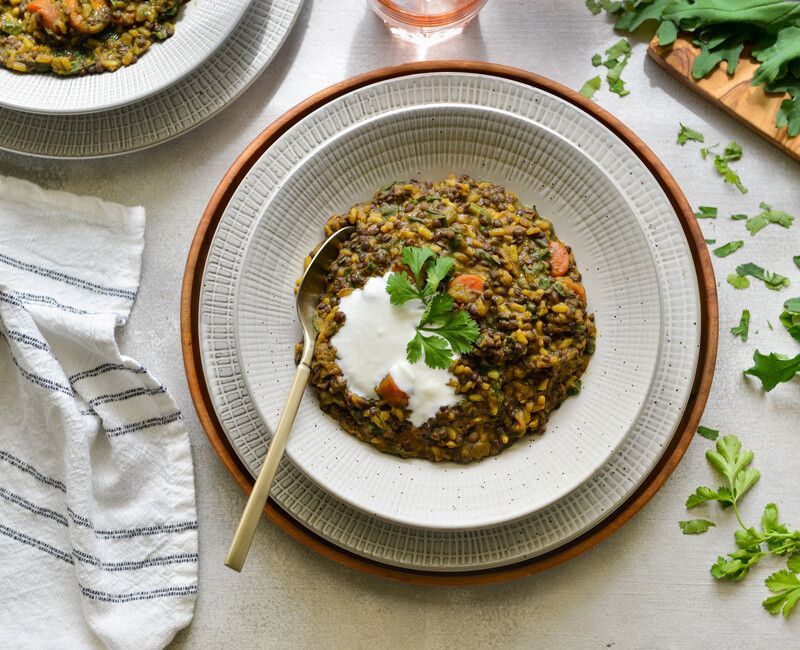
[695, 526]
[737, 281]
[743, 328]
[594, 6]
[706, 212]
[766, 217]
[710, 434]
[786, 587]
[667, 32]
[788, 115]
[712, 54]
[727, 249]
[636, 14]
[775, 58]
[414, 348]
[771, 280]
[590, 87]
[773, 369]
[685, 134]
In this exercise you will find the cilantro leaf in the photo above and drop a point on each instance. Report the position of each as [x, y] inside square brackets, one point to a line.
[590, 87]
[727, 249]
[710, 434]
[728, 174]
[738, 217]
[738, 281]
[704, 494]
[685, 134]
[436, 272]
[437, 352]
[706, 212]
[438, 309]
[773, 369]
[695, 526]
[743, 328]
[737, 567]
[732, 462]
[459, 330]
[416, 258]
[771, 280]
[766, 217]
[400, 289]
[414, 349]
[786, 587]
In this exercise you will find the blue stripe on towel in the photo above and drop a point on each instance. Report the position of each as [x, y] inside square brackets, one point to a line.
[30, 469]
[68, 279]
[101, 369]
[179, 558]
[144, 424]
[21, 337]
[128, 394]
[36, 379]
[21, 298]
[36, 543]
[126, 533]
[94, 594]
[31, 507]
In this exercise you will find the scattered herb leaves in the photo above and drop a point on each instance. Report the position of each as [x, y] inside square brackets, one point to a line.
[737, 281]
[743, 328]
[710, 434]
[597, 60]
[590, 87]
[706, 212]
[766, 217]
[771, 280]
[738, 217]
[732, 152]
[727, 249]
[686, 134]
[695, 526]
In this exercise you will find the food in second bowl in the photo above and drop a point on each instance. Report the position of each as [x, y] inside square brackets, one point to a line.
[75, 37]
[453, 323]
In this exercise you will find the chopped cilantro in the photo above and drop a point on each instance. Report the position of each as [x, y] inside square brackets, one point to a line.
[590, 87]
[711, 434]
[766, 217]
[771, 280]
[738, 217]
[732, 152]
[706, 212]
[743, 328]
[597, 60]
[695, 526]
[727, 249]
[711, 241]
[738, 281]
[685, 134]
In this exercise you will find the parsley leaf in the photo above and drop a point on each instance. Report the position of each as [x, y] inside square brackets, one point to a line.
[695, 526]
[710, 434]
[590, 87]
[743, 328]
[685, 134]
[727, 249]
[738, 281]
[706, 212]
[766, 217]
[773, 369]
[771, 280]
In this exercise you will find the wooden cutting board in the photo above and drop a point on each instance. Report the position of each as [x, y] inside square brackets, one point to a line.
[734, 94]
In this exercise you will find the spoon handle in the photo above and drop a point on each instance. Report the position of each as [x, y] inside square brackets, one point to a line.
[258, 497]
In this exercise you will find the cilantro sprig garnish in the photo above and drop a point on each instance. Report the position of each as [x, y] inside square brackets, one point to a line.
[752, 544]
[442, 330]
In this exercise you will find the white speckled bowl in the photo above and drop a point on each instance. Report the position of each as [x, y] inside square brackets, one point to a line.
[202, 26]
[588, 211]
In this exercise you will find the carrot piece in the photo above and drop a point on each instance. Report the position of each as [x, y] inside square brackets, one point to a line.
[575, 287]
[52, 18]
[468, 281]
[559, 259]
[390, 392]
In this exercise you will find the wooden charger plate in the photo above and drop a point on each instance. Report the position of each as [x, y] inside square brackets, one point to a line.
[666, 465]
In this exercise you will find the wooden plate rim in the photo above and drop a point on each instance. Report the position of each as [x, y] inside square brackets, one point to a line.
[680, 442]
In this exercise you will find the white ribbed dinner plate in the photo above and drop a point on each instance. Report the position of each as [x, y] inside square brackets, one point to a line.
[201, 27]
[530, 141]
[189, 102]
[588, 212]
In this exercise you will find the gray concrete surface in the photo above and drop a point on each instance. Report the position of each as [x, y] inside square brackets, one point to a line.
[646, 586]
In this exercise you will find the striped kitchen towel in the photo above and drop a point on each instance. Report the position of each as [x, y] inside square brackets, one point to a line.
[98, 530]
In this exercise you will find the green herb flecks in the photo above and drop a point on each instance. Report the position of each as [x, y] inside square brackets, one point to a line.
[766, 217]
[743, 328]
[732, 152]
[727, 249]
[706, 212]
[442, 329]
[590, 87]
[738, 281]
[710, 434]
[695, 526]
[685, 134]
[771, 280]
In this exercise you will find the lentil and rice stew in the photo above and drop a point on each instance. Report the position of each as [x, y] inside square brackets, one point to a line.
[513, 276]
[77, 37]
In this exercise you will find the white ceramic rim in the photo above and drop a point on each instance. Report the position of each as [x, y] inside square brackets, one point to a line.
[163, 116]
[445, 517]
[201, 28]
[443, 551]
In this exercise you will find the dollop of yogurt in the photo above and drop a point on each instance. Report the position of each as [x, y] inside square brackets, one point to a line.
[372, 343]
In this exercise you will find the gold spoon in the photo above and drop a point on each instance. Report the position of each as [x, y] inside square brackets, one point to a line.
[311, 286]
